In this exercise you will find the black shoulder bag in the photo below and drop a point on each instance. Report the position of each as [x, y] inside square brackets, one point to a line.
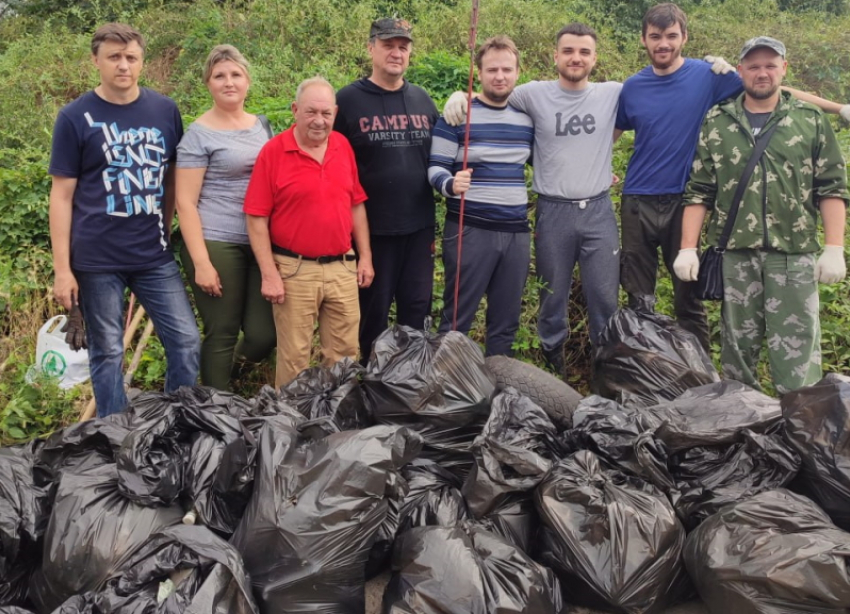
[265, 121]
[710, 278]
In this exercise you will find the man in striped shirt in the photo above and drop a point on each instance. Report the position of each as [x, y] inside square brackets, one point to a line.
[496, 243]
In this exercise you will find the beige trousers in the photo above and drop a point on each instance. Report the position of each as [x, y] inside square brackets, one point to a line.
[324, 292]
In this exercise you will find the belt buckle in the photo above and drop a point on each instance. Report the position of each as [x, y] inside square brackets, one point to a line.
[324, 259]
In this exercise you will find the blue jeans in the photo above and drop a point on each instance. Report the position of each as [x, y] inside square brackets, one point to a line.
[161, 292]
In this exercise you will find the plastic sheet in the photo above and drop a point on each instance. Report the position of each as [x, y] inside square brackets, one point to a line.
[644, 358]
[466, 570]
[513, 453]
[23, 519]
[92, 531]
[315, 513]
[775, 553]
[817, 425]
[182, 569]
[437, 385]
[613, 540]
[331, 396]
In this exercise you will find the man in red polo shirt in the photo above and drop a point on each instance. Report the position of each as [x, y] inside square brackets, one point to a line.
[304, 203]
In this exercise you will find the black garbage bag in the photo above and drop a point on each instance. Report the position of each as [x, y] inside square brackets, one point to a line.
[315, 513]
[92, 531]
[436, 385]
[817, 425]
[699, 448]
[331, 396]
[710, 477]
[433, 499]
[190, 447]
[23, 519]
[644, 358]
[84, 444]
[13, 610]
[149, 405]
[466, 570]
[513, 453]
[774, 553]
[624, 437]
[181, 569]
[382, 548]
[714, 414]
[613, 540]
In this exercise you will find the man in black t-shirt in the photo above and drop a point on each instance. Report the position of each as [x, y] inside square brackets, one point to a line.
[388, 122]
[111, 205]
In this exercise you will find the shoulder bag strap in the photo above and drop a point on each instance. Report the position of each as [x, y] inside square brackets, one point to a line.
[265, 121]
[758, 150]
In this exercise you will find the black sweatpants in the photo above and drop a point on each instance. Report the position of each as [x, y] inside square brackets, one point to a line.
[404, 272]
[650, 222]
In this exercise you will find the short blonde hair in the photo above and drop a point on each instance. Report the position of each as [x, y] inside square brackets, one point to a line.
[224, 53]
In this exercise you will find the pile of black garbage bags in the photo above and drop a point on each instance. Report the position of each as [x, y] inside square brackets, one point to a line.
[208, 503]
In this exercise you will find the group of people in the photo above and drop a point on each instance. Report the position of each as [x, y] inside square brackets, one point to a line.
[334, 219]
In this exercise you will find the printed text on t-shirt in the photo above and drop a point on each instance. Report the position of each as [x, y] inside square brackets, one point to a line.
[136, 158]
[574, 125]
[409, 128]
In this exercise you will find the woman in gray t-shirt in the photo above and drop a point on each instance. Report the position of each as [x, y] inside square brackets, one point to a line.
[214, 163]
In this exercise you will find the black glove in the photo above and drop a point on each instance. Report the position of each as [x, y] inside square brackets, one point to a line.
[75, 329]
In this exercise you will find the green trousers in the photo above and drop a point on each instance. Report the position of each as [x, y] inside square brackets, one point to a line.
[770, 296]
[240, 308]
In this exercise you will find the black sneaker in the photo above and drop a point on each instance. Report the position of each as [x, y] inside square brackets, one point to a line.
[555, 359]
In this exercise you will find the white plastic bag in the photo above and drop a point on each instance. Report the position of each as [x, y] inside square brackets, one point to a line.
[55, 358]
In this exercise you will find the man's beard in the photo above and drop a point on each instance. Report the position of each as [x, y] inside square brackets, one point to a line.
[674, 55]
[761, 94]
[575, 77]
[497, 98]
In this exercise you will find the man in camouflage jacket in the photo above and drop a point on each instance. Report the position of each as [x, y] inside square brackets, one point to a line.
[769, 270]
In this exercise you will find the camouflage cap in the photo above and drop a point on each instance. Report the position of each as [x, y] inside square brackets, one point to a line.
[390, 27]
[762, 41]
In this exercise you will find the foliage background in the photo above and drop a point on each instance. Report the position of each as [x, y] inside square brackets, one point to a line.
[44, 63]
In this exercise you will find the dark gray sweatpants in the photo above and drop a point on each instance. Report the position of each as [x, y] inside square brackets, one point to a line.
[567, 233]
[492, 263]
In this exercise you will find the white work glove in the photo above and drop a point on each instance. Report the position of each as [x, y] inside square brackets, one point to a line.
[845, 113]
[686, 265]
[455, 110]
[719, 66]
[831, 268]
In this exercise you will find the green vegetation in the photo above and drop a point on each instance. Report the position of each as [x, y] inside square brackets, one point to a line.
[44, 63]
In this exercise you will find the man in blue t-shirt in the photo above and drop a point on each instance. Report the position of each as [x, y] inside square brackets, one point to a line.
[665, 104]
[111, 205]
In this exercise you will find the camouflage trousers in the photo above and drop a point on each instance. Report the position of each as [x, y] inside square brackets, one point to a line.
[770, 296]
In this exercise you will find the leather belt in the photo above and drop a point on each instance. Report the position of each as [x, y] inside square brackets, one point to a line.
[320, 259]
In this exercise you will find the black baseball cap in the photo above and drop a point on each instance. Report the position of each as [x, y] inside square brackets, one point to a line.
[762, 41]
[390, 27]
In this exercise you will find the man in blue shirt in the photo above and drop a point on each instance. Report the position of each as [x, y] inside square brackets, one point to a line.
[111, 206]
[665, 104]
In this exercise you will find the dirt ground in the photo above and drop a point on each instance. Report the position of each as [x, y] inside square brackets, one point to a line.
[375, 592]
